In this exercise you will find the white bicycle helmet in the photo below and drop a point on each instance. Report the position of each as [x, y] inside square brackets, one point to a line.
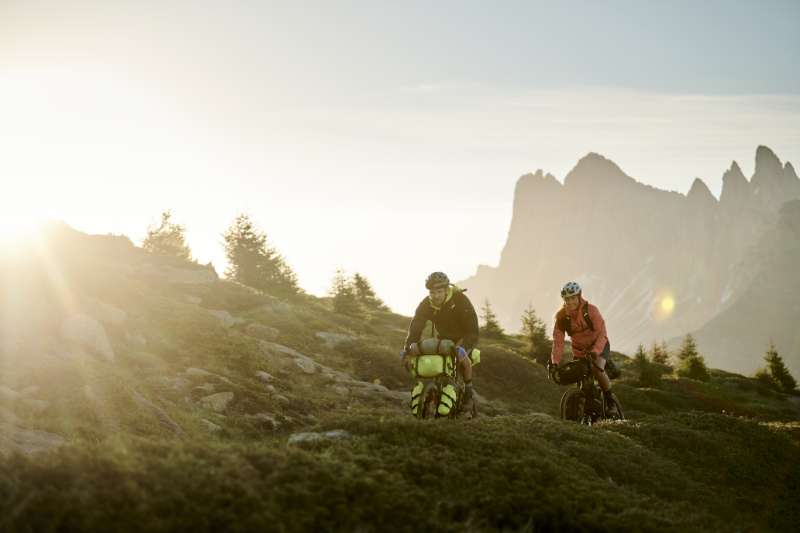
[570, 289]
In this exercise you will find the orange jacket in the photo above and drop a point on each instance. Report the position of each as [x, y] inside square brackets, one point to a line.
[583, 339]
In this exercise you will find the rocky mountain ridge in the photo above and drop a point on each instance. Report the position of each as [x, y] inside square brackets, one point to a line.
[635, 247]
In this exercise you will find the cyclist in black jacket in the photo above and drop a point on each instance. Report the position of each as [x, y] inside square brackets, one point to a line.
[454, 318]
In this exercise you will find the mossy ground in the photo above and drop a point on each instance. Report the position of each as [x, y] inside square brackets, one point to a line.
[703, 472]
[720, 455]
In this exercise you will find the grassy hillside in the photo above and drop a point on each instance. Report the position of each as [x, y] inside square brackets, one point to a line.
[143, 393]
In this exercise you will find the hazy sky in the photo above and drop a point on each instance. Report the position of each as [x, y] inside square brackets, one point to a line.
[384, 137]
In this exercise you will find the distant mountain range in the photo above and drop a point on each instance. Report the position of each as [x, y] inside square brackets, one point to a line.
[659, 264]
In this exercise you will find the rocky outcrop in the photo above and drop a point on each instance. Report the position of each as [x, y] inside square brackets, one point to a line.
[631, 246]
[310, 436]
[217, 402]
[88, 333]
[766, 308]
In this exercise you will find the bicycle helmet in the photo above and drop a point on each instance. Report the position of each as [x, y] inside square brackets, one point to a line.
[437, 280]
[570, 289]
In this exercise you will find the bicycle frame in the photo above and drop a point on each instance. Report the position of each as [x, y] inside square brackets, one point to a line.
[594, 406]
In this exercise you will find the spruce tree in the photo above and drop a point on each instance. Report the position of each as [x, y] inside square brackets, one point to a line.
[343, 292]
[649, 375]
[688, 348]
[690, 363]
[640, 357]
[253, 262]
[775, 373]
[491, 327]
[535, 332]
[167, 239]
[365, 294]
[659, 353]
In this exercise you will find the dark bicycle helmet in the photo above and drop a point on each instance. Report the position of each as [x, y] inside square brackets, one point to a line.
[437, 280]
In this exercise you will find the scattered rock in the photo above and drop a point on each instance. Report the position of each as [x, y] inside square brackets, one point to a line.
[195, 372]
[276, 306]
[341, 390]
[336, 434]
[89, 333]
[163, 418]
[199, 373]
[194, 299]
[266, 419]
[177, 384]
[270, 389]
[28, 441]
[332, 339]
[283, 350]
[217, 402]
[211, 426]
[266, 377]
[306, 365]
[227, 319]
[281, 399]
[260, 331]
[199, 275]
[205, 388]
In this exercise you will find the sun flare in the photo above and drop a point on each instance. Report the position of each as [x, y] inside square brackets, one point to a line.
[667, 304]
[17, 228]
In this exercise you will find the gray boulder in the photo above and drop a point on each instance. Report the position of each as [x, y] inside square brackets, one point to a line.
[217, 402]
[336, 434]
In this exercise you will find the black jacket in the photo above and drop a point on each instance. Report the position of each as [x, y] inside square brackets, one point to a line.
[455, 320]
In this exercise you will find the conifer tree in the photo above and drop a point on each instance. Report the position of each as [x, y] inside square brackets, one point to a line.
[491, 327]
[167, 239]
[343, 292]
[690, 363]
[365, 294]
[775, 373]
[659, 353]
[688, 348]
[649, 375]
[253, 262]
[535, 332]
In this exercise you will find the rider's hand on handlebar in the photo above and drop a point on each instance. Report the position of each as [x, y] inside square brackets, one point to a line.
[404, 358]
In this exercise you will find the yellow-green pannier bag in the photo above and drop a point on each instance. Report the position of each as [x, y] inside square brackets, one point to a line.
[430, 366]
[475, 356]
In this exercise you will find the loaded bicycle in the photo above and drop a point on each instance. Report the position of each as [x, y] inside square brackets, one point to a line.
[439, 391]
[586, 403]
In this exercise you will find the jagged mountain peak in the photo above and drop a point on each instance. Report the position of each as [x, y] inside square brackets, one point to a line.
[536, 182]
[734, 173]
[735, 186]
[768, 166]
[596, 169]
[700, 192]
[789, 172]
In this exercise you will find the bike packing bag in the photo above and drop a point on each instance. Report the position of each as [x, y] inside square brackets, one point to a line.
[475, 356]
[431, 366]
[572, 372]
[436, 346]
